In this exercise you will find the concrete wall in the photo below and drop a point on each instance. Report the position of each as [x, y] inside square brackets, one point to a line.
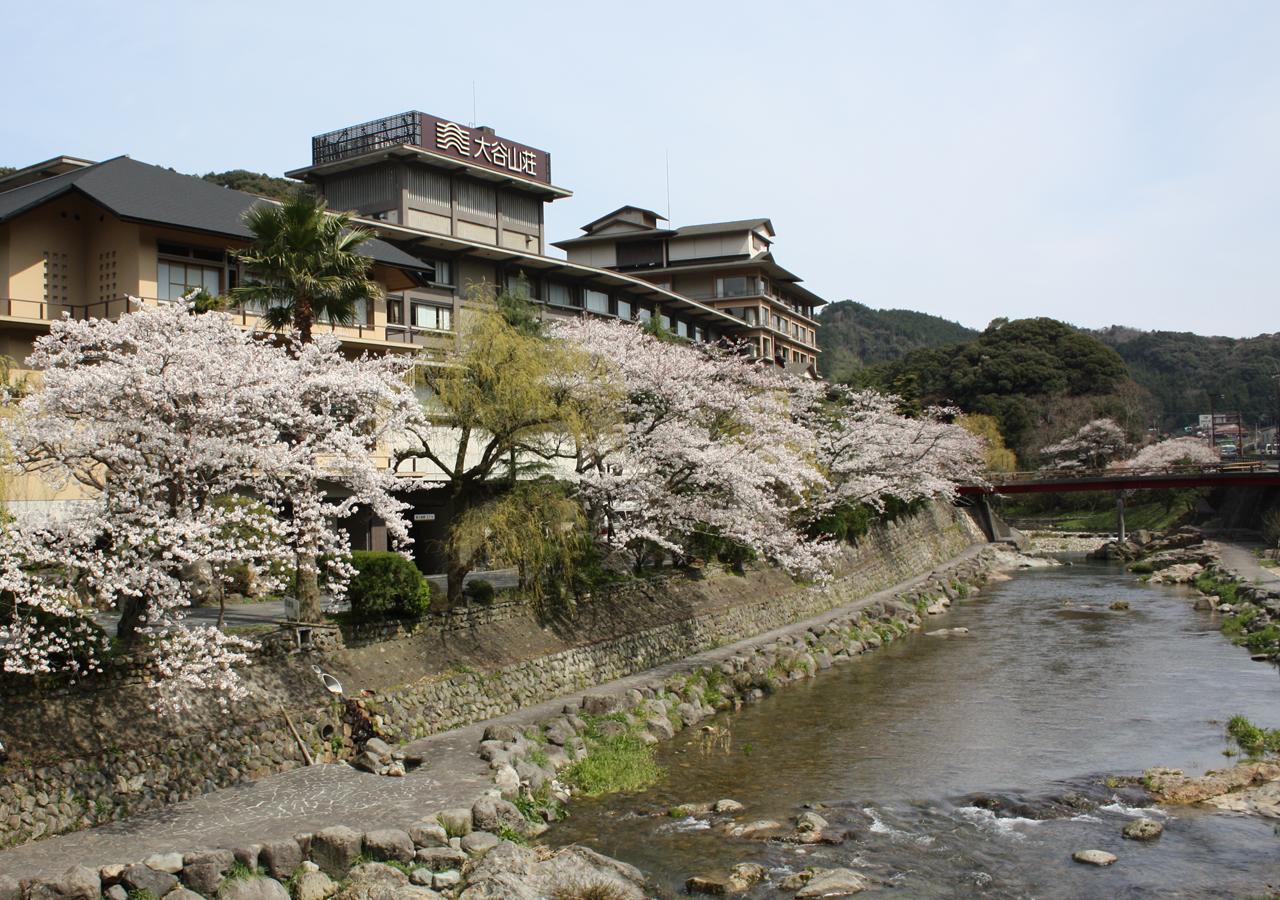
[85, 757]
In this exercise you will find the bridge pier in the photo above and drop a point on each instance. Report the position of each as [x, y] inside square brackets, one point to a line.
[1120, 516]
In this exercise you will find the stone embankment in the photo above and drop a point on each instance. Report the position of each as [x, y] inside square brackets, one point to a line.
[112, 757]
[475, 852]
[1053, 542]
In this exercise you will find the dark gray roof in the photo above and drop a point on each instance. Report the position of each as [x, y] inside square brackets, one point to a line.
[720, 227]
[145, 193]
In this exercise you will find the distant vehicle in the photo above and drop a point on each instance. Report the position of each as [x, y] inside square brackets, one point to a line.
[1271, 450]
[1228, 451]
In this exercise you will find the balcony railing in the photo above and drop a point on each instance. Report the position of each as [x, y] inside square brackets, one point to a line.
[46, 311]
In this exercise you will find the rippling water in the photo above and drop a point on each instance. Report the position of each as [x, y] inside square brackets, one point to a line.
[978, 764]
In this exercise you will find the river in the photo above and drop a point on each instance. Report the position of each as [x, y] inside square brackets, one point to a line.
[975, 765]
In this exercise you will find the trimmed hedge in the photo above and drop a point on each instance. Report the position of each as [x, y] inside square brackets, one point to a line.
[387, 586]
[478, 590]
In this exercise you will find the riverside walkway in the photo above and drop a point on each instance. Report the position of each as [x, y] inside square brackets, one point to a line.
[308, 799]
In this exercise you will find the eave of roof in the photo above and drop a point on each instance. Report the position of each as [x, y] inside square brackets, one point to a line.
[724, 227]
[452, 164]
[547, 265]
[622, 237]
[621, 209]
[48, 168]
[139, 192]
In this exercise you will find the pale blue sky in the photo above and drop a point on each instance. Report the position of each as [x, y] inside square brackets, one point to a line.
[1095, 162]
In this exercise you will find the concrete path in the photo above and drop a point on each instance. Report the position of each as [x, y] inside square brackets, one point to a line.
[308, 799]
[272, 611]
[1239, 556]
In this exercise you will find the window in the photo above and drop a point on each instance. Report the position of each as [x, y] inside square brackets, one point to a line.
[698, 334]
[561, 295]
[624, 310]
[435, 271]
[644, 315]
[521, 285]
[395, 310]
[639, 254]
[433, 318]
[174, 280]
[736, 286]
[682, 328]
[597, 302]
[520, 213]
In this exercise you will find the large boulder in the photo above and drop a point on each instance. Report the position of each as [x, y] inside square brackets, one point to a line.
[834, 883]
[138, 878]
[335, 849]
[494, 813]
[389, 845]
[252, 889]
[78, 882]
[280, 858]
[378, 881]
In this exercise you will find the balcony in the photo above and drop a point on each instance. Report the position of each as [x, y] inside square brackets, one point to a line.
[42, 312]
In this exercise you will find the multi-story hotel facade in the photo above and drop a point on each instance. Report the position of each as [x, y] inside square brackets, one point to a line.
[456, 210]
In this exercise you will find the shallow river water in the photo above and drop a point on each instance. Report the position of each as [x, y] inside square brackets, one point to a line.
[976, 765]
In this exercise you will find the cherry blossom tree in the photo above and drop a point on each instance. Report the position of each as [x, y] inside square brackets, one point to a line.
[162, 417]
[1181, 451]
[1094, 445]
[707, 442]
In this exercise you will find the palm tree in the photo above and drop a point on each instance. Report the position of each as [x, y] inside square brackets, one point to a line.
[305, 265]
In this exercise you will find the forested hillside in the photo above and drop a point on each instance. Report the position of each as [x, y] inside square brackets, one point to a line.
[853, 335]
[1039, 378]
[257, 183]
[1184, 371]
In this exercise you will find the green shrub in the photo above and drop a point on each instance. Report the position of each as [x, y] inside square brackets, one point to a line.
[387, 586]
[478, 590]
[1251, 738]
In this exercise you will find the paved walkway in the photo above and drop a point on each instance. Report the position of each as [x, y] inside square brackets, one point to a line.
[308, 799]
[1239, 556]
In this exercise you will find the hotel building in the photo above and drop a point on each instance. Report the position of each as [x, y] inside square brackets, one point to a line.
[729, 266]
[454, 208]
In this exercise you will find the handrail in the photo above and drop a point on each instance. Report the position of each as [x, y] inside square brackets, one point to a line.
[1023, 476]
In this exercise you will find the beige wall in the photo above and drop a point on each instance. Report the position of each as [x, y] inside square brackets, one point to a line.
[733, 244]
[603, 255]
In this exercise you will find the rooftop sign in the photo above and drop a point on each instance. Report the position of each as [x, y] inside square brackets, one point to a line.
[477, 146]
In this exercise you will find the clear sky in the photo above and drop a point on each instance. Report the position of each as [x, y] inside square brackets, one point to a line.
[1108, 162]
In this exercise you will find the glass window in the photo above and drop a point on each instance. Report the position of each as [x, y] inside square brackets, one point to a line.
[174, 280]
[665, 321]
[682, 328]
[520, 285]
[597, 302]
[624, 310]
[433, 318]
[560, 294]
[644, 315]
[736, 286]
[698, 334]
[395, 310]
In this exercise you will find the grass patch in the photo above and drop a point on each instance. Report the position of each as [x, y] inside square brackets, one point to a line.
[1142, 567]
[619, 763]
[507, 833]
[1251, 738]
[538, 756]
[1208, 583]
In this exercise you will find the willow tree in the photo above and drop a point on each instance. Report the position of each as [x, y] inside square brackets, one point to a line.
[304, 264]
[497, 408]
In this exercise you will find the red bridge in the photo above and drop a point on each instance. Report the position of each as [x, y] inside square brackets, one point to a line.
[1234, 474]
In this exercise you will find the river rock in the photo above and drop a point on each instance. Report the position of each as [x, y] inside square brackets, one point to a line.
[253, 889]
[378, 881]
[78, 882]
[1143, 830]
[139, 878]
[164, 862]
[280, 858]
[810, 821]
[712, 885]
[1119, 605]
[314, 886]
[1172, 786]
[456, 822]
[947, 632]
[833, 883]
[10, 889]
[478, 843]
[389, 845]
[431, 833]
[728, 807]
[1094, 857]
[439, 859]
[492, 813]
[335, 849]
[760, 829]
[507, 780]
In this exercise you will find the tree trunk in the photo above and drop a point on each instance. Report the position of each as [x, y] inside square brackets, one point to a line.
[303, 316]
[456, 572]
[132, 617]
[307, 588]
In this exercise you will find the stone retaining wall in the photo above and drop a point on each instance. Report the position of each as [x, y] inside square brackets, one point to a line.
[90, 757]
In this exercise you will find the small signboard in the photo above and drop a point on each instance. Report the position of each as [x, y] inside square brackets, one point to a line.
[291, 608]
[424, 517]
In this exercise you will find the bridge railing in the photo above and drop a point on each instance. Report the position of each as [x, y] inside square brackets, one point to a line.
[1043, 475]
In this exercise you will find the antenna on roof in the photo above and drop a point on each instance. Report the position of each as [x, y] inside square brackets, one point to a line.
[667, 154]
[473, 103]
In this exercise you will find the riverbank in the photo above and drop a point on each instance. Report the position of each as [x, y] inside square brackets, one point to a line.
[979, 761]
[306, 799]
